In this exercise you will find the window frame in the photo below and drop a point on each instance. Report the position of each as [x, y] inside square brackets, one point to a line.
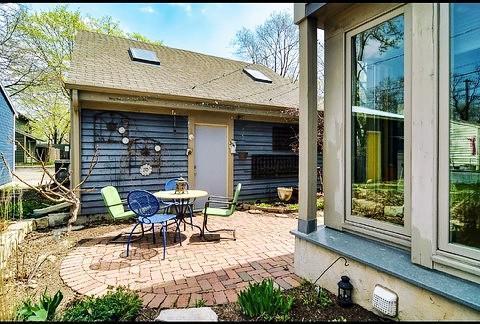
[443, 230]
[386, 230]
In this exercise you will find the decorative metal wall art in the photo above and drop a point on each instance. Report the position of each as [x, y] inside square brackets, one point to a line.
[142, 154]
[107, 126]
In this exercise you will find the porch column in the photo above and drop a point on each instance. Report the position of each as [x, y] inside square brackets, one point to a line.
[307, 218]
[75, 136]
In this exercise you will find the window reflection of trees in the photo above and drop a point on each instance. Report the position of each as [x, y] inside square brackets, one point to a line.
[388, 94]
[464, 95]
[378, 84]
[388, 35]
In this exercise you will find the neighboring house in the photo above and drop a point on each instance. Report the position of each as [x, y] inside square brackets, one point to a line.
[23, 135]
[156, 113]
[401, 114]
[7, 136]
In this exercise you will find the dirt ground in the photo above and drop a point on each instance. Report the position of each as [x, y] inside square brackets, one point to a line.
[53, 248]
[41, 245]
[304, 310]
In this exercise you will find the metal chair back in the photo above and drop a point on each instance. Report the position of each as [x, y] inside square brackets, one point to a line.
[143, 203]
[170, 184]
[233, 206]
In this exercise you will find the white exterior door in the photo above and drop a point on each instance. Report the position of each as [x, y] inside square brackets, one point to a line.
[210, 161]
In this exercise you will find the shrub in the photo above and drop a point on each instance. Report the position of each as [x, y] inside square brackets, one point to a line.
[320, 203]
[119, 305]
[42, 311]
[263, 300]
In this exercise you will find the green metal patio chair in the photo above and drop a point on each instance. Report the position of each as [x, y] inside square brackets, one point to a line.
[229, 207]
[115, 208]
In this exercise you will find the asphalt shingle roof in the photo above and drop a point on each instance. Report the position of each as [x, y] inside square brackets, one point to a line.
[103, 61]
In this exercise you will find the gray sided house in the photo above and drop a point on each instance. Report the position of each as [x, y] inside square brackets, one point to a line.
[7, 136]
[23, 135]
[400, 156]
[156, 113]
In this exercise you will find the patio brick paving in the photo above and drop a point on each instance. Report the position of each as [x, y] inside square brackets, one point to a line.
[214, 271]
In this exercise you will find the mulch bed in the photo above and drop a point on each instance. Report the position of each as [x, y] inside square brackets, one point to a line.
[304, 310]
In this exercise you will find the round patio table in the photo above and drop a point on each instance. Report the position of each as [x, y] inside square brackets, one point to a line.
[181, 202]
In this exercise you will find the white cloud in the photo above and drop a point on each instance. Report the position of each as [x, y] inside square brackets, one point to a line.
[147, 9]
[186, 6]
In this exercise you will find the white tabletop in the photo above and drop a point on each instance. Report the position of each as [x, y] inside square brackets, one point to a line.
[189, 194]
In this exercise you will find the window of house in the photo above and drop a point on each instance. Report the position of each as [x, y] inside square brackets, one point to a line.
[376, 121]
[459, 196]
[284, 137]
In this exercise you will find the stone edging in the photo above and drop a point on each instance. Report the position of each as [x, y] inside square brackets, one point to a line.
[12, 237]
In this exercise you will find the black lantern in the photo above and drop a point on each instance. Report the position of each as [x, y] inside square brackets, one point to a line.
[345, 292]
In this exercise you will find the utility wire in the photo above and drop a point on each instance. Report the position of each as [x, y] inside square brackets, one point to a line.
[222, 76]
[263, 91]
[283, 93]
[236, 70]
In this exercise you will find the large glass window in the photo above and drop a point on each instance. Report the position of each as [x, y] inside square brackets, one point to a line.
[464, 125]
[377, 122]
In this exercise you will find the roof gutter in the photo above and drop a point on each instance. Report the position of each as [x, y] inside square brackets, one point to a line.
[170, 96]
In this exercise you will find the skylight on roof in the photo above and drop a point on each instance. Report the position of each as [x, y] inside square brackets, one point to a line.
[257, 75]
[142, 55]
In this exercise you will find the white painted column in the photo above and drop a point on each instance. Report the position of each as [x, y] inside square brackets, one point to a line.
[307, 218]
[424, 133]
[75, 138]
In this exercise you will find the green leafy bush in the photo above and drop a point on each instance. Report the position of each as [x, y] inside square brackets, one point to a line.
[264, 301]
[42, 311]
[320, 203]
[119, 305]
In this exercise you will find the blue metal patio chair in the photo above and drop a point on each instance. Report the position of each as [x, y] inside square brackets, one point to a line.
[146, 206]
[170, 185]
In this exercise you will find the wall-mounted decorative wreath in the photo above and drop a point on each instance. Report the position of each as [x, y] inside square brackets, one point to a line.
[143, 153]
[111, 127]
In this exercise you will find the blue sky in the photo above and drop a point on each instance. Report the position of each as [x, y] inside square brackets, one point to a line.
[199, 27]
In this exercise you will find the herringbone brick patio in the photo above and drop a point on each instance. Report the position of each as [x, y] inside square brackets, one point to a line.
[213, 271]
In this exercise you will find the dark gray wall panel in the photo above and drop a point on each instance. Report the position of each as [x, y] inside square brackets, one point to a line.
[112, 167]
[256, 138]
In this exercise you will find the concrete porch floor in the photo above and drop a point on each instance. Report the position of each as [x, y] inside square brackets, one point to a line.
[214, 271]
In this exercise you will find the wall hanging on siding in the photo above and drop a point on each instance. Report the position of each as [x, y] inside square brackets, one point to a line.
[111, 127]
[265, 166]
[143, 156]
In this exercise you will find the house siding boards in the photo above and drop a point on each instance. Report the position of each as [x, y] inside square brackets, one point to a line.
[112, 167]
[256, 138]
[461, 148]
[6, 138]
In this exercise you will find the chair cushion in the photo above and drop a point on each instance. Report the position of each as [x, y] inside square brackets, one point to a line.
[217, 211]
[157, 218]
